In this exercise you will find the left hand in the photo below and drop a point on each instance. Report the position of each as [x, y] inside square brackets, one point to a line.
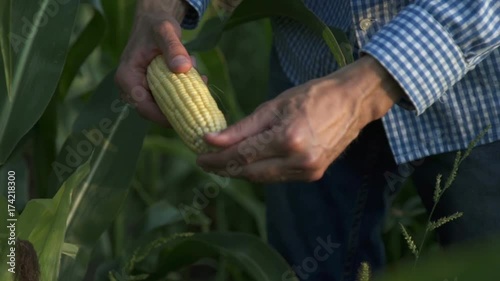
[297, 135]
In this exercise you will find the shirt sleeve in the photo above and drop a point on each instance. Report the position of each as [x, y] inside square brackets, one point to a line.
[194, 13]
[432, 44]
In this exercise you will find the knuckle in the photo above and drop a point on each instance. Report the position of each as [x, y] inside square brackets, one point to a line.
[252, 118]
[246, 152]
[244, 159]
[294, 140]
[173, 45]
[139, 94]
[310, 162]
[164, 28]
[312, 86]
[238, 128]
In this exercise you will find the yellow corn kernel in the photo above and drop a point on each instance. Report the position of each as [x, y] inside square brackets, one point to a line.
[186, 102]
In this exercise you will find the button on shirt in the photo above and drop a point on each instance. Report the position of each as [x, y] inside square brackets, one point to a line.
[444, 53]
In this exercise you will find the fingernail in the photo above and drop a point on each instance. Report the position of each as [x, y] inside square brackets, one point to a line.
[179, 61]
[212, 134]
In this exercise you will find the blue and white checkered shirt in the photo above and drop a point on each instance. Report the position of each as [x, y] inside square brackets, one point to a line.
[444, 53]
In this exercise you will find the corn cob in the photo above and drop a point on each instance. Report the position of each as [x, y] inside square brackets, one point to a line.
[186, 102]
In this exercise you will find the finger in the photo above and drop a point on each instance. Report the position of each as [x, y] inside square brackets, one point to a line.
[167, 36]
[150, 110]
[134, 93]
[256, 148]
[256, 122]
[147, 108]
[270, 170]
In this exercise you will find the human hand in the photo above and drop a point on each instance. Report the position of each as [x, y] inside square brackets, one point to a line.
[156, 31]
[296, 136]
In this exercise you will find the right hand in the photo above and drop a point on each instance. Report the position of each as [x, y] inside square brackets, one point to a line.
[156, 30]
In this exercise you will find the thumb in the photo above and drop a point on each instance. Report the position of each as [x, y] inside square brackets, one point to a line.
[168, 34]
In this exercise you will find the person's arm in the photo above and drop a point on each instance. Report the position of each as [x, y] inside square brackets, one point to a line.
[425, 50]
[156, 30]
[432, 44]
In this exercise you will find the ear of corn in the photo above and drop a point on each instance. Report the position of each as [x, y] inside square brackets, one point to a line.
[186, 102]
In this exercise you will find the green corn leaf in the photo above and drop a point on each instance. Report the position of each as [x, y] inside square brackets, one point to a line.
[87, 41]
[244, 251]
[119, 18]
[33, 58]
[240, 191]
[114, 132]
[43, 223]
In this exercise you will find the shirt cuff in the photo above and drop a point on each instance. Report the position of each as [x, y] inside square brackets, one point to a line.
[420, 54]
[195, 11]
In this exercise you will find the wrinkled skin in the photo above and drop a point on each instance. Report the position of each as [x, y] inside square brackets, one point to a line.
[297, 135]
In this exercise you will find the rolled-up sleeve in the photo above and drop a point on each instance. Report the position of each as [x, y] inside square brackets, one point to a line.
[432, 44]
[196, 10]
